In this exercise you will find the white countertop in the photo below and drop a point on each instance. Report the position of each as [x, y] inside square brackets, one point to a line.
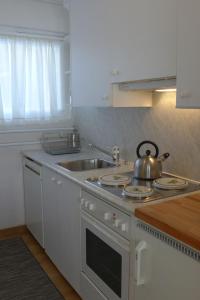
[51, 161]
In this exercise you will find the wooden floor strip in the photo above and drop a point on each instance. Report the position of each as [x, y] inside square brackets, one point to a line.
[58, 280]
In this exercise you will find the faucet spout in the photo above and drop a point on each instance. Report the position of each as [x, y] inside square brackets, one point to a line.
[114, 154]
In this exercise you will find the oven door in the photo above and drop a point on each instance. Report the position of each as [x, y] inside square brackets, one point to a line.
[105, 258]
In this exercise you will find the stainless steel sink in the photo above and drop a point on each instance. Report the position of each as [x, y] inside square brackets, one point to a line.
[86, 164]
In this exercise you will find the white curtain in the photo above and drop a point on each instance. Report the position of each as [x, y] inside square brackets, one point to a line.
[32, 79]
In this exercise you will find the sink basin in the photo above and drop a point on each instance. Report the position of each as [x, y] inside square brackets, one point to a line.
[86, 164]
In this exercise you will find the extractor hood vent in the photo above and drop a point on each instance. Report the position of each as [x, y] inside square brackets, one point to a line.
[149, 84]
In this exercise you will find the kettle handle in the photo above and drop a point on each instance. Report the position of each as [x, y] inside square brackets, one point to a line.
[147, 142]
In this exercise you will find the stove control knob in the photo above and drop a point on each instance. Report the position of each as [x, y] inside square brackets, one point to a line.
[107, 216]
[86, 204]
[91, 207]
[117, 223]
[124, 227]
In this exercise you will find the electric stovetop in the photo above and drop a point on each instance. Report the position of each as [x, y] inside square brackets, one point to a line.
[157, 192]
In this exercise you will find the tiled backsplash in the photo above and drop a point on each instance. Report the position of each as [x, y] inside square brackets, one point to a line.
[174, 130]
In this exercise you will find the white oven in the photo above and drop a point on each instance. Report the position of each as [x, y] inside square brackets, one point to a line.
[105, 252]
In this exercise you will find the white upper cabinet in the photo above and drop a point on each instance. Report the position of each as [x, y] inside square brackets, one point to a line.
[115, 41]
[188, 51]
[90, 52]
[144, 37]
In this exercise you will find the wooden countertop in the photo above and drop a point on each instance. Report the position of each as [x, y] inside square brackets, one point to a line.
[179, 218]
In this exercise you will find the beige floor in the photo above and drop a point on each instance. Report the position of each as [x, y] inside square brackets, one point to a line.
[62, 285]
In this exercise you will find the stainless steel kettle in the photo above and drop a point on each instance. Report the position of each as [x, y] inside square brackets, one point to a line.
[149, 167]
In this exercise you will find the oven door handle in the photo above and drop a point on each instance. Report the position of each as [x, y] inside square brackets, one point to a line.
[107, 232]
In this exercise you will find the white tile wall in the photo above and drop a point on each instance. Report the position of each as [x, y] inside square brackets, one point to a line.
[174, 130]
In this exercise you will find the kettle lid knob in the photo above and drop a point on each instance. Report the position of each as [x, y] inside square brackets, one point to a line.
[148, 152]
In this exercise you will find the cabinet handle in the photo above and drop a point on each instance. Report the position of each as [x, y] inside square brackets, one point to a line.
[53, 179]
[115, 72]
[105, 98]
[185, 94]
[141, 247]
[31, 169]
[59, 182]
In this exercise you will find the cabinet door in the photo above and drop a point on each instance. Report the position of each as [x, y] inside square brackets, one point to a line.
[163, 272]
[69, 226]
[62, 225]
[51, 214]
[188, 64]
[144, 39]
[90, 52]
[114, 41]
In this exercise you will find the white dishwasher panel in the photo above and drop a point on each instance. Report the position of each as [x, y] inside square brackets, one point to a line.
[33, 199]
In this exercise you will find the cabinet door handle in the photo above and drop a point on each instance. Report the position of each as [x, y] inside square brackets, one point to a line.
[59, 182]
[115, 72]
[141, 247]
[31, 169]
[53, 179]
[185, 94]
[105, 98]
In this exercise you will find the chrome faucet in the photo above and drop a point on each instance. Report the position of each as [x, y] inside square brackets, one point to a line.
[115, 153]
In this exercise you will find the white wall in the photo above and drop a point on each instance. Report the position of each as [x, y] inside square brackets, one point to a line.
[34, 14]
[41, 16]
[11, 188]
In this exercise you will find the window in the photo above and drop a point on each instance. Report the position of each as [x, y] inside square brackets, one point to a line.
[33, 81]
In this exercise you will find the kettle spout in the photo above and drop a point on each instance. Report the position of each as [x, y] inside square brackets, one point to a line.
[163, 157]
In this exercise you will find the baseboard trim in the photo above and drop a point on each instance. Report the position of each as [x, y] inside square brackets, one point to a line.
[13, 231]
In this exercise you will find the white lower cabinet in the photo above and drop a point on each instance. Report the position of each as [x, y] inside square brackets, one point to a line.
[161, 267]
[164, 268]
[62, 225]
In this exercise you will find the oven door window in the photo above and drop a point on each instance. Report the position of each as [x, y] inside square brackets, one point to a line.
[104, 261]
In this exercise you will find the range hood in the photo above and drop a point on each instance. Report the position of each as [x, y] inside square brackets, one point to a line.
[149, 84]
